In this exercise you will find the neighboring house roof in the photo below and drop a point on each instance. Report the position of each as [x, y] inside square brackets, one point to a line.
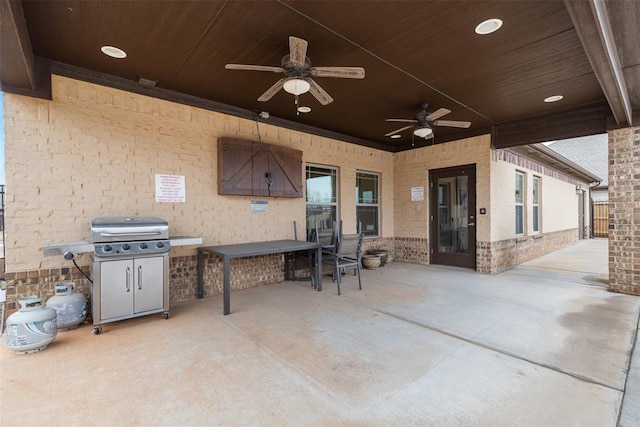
[542, 154]
[590, 152]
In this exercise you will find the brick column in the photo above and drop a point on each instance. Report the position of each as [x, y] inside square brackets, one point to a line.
[624, 211]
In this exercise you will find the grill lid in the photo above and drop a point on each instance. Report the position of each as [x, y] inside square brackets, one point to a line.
[121, 229]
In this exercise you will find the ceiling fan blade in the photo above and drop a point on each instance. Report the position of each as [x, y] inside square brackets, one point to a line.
[438, 113]
[320, 94]
[398, 130]
[254, 68]
[272, 90]
[340, 72]
[452, 123]
[297, 50]
[401, 120]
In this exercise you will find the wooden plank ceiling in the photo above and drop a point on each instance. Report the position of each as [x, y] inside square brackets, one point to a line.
[413, 52]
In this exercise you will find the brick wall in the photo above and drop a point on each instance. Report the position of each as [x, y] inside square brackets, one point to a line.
[183, 282]
[94, 151]
[624, 211]
[42, 283]
[496, 257]
[412, 249]
[97, 152]
[411, 169]
[386, 244]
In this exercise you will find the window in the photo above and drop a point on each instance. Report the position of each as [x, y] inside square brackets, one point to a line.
[519, 197]
[322, 196]
[536, 204]
[367, 202]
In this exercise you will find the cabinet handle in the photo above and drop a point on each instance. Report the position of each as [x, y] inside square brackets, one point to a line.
[128, 282]
[139, 277]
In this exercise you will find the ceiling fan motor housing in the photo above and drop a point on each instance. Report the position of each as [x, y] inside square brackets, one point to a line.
[293, 69]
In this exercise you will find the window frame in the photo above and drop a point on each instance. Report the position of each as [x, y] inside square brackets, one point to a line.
[520, 204]
[376, 205]
[535, 203]
[334, 204]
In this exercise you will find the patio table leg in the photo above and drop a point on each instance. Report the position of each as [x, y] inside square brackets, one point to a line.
[226, 286]
[200, 274]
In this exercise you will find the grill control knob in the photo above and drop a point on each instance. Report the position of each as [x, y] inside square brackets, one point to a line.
[159, 245]
[107, 248]
[126, 247]
[143, 246]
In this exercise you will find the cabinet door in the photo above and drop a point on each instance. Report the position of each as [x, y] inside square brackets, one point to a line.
[262, 176]
[149, 287]
[285, 169]
[235, 166]
[258, 169]
[116, 289]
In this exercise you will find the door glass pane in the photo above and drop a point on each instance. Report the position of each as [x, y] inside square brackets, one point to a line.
[452, 214]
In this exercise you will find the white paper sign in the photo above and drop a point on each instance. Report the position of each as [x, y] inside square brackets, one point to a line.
[170, 189]
[417, 194]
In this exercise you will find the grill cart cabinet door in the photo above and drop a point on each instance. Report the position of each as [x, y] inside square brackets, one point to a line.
[131, 286]
[148, 276]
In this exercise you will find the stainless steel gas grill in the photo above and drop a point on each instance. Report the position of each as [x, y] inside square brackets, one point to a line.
[130, 268]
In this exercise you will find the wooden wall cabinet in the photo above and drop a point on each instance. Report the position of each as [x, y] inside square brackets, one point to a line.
[249, 168]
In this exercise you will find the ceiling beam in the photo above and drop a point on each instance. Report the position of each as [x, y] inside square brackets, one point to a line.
[16, 67]
[593, 26]
[99, 78]
[570, 124]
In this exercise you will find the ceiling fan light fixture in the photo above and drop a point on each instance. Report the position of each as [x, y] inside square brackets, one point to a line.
[296, 86]
[423, 132]
[489, 26]
[304, 109]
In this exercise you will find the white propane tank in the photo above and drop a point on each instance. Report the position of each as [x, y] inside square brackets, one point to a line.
[31, 328]
[70, 306]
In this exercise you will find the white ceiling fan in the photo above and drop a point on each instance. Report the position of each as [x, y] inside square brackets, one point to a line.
[424, 122]
[297, 68]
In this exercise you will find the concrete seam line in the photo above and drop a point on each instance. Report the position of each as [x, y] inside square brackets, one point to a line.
[500, 351]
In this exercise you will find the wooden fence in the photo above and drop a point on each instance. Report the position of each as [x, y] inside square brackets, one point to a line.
[601, 219]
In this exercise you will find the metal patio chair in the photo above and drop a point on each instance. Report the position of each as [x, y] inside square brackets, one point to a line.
[347, 254]
[304, 260]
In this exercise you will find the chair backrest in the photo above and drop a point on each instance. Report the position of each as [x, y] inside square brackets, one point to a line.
[327, 237]
[349, 245]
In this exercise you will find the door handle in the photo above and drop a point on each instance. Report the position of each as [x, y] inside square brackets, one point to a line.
[140, 278]
[128, 281]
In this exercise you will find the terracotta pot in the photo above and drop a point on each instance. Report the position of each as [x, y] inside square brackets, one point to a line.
[382, 253]
[370, 262]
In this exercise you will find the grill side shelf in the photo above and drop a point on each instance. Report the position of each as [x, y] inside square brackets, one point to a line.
[59, 249]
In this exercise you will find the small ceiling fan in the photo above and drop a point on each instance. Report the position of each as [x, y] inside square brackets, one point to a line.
[297, 68]
[424, 122]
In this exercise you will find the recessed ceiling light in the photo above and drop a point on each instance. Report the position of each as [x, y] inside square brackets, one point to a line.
[395, 136]
[554, 98]
[489, 26]
[304, 109]
[113, 52]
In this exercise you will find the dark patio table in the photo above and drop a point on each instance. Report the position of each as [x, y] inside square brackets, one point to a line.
[243, 250]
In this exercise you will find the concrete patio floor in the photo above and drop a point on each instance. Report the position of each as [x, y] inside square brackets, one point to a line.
[540, 345]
